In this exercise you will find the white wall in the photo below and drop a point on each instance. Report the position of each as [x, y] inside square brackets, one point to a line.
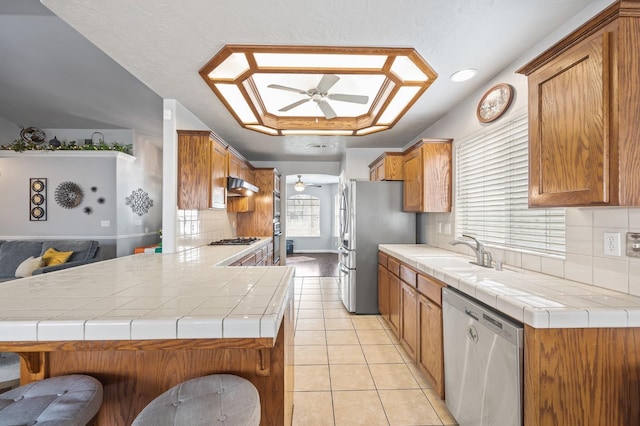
[326, 242]
[9, 132]
[356, 161]
[585, 261]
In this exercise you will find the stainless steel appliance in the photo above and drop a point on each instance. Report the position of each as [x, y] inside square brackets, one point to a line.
[370, 214]
[483, 353]
[277, 235]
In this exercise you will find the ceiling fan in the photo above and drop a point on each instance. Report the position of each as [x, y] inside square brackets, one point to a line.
[320, 96]
[300, 185]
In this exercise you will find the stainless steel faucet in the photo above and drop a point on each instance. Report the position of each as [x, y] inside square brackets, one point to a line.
[483, 258]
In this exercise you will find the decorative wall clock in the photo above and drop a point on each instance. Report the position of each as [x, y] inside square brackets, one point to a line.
[494, 103]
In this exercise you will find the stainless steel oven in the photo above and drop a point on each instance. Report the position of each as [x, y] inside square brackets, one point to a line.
[276, 206]
[277, 235]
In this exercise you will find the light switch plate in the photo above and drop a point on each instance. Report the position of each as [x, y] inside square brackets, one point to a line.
[612, 245]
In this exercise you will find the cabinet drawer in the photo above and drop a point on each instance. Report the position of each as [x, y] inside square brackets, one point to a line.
[408, 275]
[431, 288]
[393, 266]
[382, 259]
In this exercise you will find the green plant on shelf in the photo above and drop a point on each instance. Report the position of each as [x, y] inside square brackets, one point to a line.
[19, 145]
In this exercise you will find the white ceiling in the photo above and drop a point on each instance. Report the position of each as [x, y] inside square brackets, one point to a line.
[51, 76]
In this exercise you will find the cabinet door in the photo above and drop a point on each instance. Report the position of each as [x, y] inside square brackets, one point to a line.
[194, 168]
[372, 174]
[569, 146]
[413, 173]
[394, 304]
[436, 163]
[218, 176]
[430, 350]
[235, 166]
[383, 292]
[409, 318]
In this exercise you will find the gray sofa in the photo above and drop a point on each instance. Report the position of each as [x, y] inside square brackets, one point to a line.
[13, 253]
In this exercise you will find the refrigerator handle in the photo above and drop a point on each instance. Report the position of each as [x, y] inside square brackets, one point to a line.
[342, 250]
[344, 269]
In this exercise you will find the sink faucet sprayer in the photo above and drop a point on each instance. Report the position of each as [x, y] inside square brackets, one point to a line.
[483, 258]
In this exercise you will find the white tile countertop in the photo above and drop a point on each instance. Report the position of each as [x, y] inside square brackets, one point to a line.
[186, 295]
[539, 300]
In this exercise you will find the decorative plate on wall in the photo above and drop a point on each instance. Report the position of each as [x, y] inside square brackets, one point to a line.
[139, 201]
[69, 195]
[494, 103]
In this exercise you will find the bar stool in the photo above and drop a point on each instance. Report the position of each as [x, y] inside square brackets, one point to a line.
[219, 399]
[58, 401]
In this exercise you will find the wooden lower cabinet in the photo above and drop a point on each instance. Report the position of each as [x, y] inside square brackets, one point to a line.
[409, 326]
[411, 303]
[430, 356]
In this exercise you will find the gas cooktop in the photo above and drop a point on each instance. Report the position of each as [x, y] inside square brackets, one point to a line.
[234, 241]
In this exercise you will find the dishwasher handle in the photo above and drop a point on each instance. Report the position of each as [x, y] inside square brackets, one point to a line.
[471, 314]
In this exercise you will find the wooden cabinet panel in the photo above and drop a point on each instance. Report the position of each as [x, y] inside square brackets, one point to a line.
[408, 318]
[218, 175]
[583, 116]
[431, 288]
[201, 171]
[383, 292]
[393, 266]
[382, 259]
[430, 355]
[408, 275]
[568, 162]
[389, 166]
[427, 176]
[260, 221]
[394, 303]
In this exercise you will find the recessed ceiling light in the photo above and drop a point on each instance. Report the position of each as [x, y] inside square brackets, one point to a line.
[463, 75]
[317, 90]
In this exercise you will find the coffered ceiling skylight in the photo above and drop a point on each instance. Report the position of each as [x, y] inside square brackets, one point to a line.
[312, 90]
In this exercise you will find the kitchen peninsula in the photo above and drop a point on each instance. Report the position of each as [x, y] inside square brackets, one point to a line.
[141, 324]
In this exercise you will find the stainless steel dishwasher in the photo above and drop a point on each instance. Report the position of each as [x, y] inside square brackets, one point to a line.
[482, 362]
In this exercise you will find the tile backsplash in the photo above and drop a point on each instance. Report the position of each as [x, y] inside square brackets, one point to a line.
[196, 228]
[584, 262]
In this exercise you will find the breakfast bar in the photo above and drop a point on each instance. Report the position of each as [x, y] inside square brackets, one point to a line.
[141, 324]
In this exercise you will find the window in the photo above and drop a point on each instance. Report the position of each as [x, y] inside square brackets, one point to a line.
[303, 216]
[492, 193]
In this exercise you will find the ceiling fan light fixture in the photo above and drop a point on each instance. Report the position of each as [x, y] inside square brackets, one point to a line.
[299, 185]
[353, 88]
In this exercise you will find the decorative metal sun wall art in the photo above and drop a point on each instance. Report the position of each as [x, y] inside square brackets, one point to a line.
[69, 195]
[139, 201]
[38, 199]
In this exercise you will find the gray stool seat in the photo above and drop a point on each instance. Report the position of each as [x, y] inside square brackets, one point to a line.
[58, 401]
[219, 399]
[9, 370]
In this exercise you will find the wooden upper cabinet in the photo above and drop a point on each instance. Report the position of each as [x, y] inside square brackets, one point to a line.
[389, 166]
[201, 171]
[260, 221]
[584, 118]
[427, 176]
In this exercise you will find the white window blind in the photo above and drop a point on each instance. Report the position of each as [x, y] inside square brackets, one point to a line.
[303, 216]
[492, 193]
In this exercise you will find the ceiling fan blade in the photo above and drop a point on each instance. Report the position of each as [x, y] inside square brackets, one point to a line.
[356, 99]
[293, 105]
[326, 82]
[288, 89]
[326, 109]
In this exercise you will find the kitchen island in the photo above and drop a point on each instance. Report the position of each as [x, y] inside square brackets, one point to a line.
[143, 323]
[582, 342]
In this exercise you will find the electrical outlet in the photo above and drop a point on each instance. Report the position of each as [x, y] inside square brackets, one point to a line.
[447, 228]
[612, 244]
[105, 223]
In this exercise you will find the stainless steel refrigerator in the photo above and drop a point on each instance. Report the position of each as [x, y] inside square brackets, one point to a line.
[370, 214]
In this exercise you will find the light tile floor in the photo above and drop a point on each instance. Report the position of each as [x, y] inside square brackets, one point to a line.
[351, 370]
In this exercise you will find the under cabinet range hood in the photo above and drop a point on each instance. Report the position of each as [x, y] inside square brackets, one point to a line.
[237, 187]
